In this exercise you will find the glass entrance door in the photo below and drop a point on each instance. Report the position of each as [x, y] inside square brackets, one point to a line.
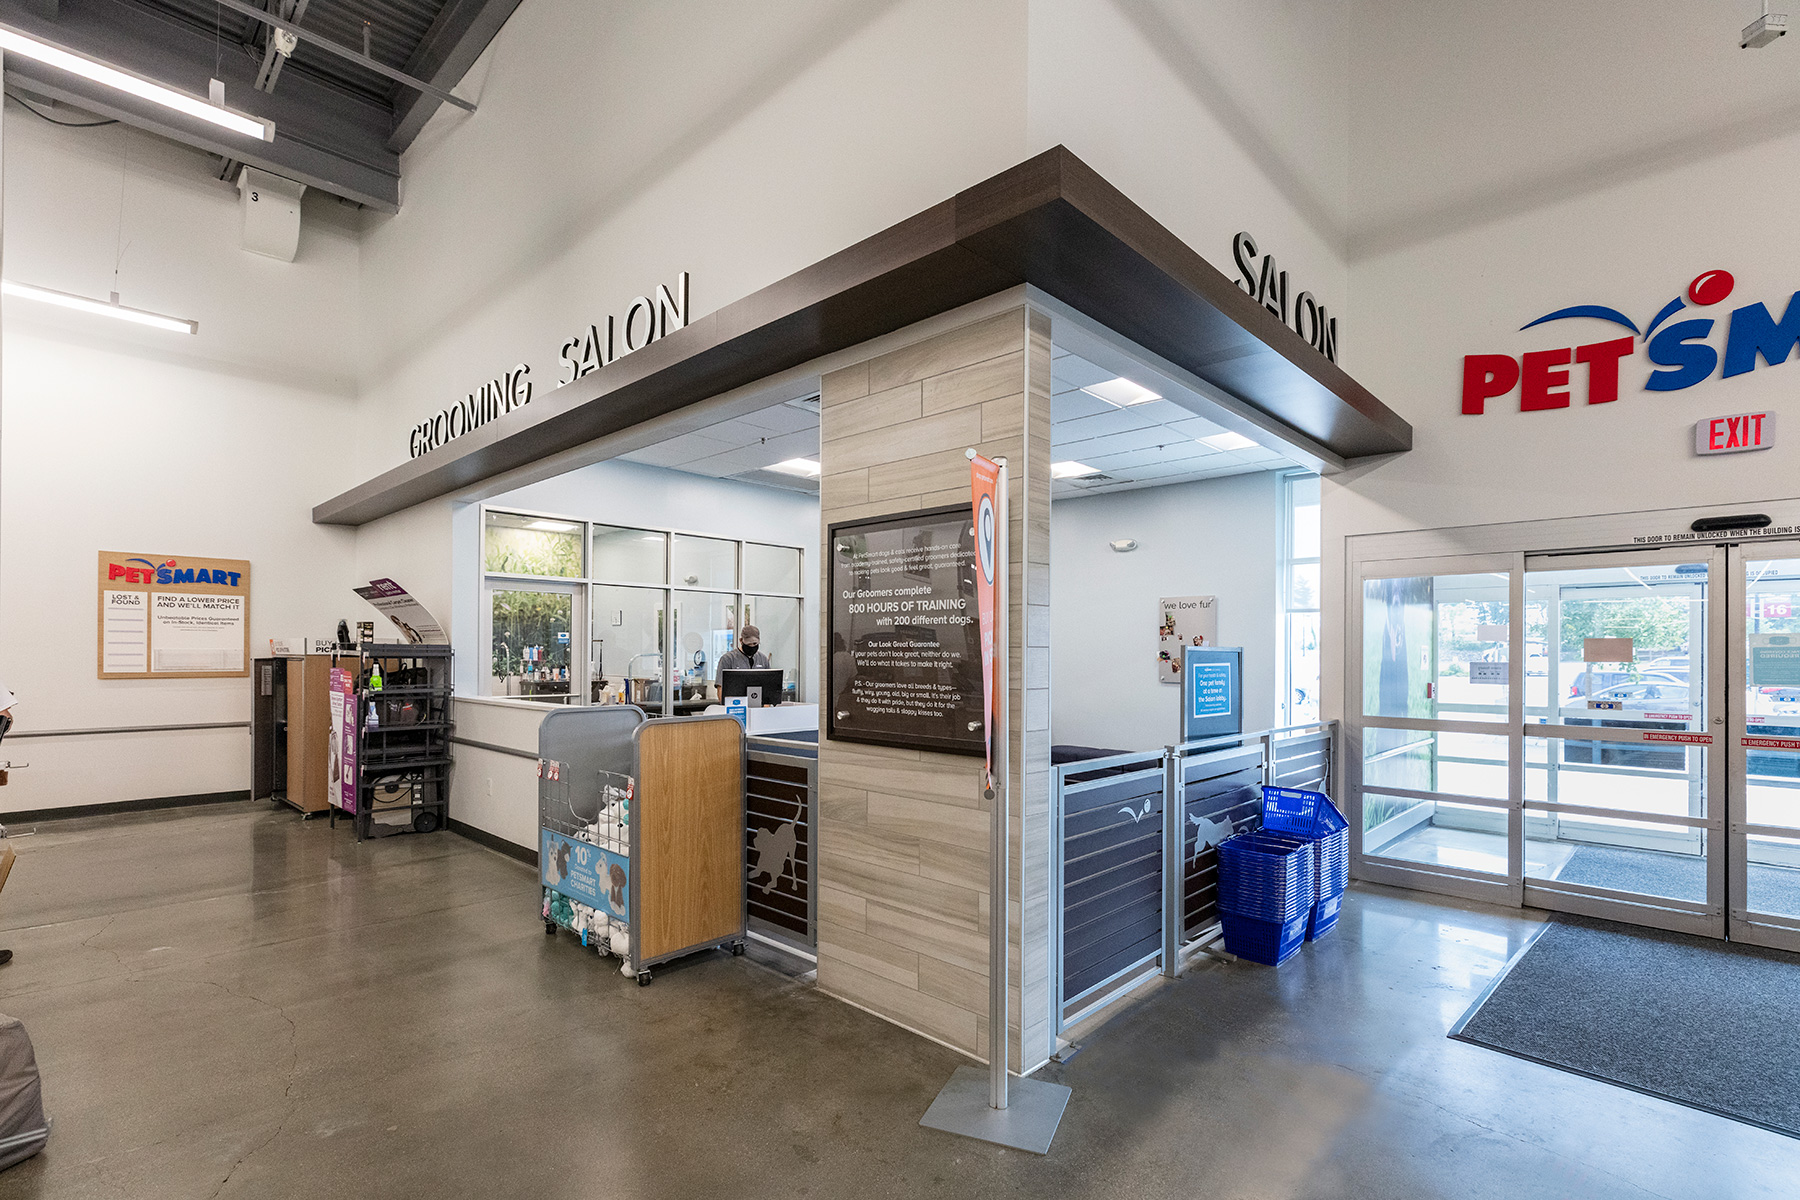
[1624, 813]
[1764, 755]
[1432, 754]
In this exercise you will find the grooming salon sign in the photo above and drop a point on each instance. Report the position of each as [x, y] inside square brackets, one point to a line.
[644, 320]
[1687, 341]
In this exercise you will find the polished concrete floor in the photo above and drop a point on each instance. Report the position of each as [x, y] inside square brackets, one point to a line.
[229, 1002]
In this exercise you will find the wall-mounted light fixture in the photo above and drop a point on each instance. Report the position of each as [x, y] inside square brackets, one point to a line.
[104, 308]
[14, 42]
[1123, 545]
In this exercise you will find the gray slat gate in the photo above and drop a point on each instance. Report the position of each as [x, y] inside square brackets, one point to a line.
[781, 785]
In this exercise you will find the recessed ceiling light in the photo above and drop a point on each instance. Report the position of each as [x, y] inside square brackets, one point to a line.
[1121, 393]
[805, 467]
[113, 308]
[1227, 441]
[1071, 470]
[552, 526]
[14, 42]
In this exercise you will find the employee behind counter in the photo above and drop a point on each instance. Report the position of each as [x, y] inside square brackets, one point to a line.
[747, 656]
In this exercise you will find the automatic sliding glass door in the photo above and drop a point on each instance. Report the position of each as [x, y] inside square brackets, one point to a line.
[1430, 757]
[1764, 753]
[1622, 808]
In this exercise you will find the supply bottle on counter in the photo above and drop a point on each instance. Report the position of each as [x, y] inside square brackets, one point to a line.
[375, 676]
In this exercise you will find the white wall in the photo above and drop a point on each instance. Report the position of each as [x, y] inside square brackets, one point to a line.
[114, 437]
[1215, 116]
[1218, 537]
[618, 144]
[1457, 264]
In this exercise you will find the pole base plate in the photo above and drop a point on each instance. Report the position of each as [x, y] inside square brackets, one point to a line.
[1028, 1122]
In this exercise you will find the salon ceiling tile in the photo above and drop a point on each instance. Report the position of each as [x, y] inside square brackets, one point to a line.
[777, 448]
[678, 451]
[1074, 405]
[783, 418]
[1115, 443]
[1072, 371]
[1119, 420]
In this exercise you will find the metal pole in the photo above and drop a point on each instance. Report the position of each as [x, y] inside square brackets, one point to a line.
[1000, 845]
[1172, 873]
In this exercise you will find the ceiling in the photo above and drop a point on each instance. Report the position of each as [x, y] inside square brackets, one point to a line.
[341, 124]
[1145, 445]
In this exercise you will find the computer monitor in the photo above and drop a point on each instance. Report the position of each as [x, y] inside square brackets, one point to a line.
[758, 685]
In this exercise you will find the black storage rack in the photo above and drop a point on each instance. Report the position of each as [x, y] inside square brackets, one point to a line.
[403, 760]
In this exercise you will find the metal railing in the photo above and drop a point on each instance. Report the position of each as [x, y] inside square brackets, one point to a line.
[1135, 881]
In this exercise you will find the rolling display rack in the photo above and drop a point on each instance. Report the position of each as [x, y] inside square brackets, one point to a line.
[395, 767]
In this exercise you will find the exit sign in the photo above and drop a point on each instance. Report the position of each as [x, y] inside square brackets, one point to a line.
[1729, 435]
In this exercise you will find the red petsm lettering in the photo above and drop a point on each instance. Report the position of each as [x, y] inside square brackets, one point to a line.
[1484, 377]
[1540, 376]
[1602, 359]
[114, 570]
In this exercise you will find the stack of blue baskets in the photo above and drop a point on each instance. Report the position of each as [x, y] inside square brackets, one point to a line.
[1283, 885]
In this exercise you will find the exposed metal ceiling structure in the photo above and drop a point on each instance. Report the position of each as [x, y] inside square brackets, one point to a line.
[360, 81]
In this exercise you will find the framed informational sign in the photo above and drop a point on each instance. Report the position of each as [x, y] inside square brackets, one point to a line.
[173, 618]
[1184, 621]
[905, 641]
[1212, 692]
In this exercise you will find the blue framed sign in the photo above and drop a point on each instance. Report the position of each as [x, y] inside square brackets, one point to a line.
[1212, 692]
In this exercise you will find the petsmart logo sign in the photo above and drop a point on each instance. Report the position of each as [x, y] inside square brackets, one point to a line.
[1678, 349]
[166, 573]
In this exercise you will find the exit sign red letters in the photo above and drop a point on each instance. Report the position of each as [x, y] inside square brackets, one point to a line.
[1730, 435]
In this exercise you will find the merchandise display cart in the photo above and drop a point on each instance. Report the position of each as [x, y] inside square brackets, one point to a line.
[641, 833]
[391, 761]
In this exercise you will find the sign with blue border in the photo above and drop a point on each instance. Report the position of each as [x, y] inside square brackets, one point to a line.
[1209, 689]
[582, 871]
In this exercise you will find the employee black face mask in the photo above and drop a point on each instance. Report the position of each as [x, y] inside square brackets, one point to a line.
[750, 649]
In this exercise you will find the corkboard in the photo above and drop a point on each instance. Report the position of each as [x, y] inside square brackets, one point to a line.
[186, 603]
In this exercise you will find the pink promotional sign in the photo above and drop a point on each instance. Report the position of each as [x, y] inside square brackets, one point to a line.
[984, 478]
[343, 687]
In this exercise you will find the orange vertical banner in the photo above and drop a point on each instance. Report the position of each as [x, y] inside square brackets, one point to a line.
[984, 477]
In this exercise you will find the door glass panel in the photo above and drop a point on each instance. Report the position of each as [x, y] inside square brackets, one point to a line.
[1772, 691]
[522, 545]
[704, 562]
[1435, 647]
[1648, 858]
[1468, 764]
[1772, 876]
[777, 618]
[532, 632]
[1629, 776]
[629, 555]
[1435, 832]
[627, 638]
[1628, 641]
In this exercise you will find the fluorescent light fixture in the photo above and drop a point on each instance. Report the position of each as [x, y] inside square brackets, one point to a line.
[1071, 470]
[552, 526]
[14, 42]
[1121, 393]
[1227, 441]
[805, 467]
[113, 309]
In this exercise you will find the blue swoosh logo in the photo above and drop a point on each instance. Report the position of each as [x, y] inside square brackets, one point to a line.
[1586, 310]
[1670, 309]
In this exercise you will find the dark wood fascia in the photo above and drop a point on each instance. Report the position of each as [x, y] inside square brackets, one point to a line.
[1050, 221]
